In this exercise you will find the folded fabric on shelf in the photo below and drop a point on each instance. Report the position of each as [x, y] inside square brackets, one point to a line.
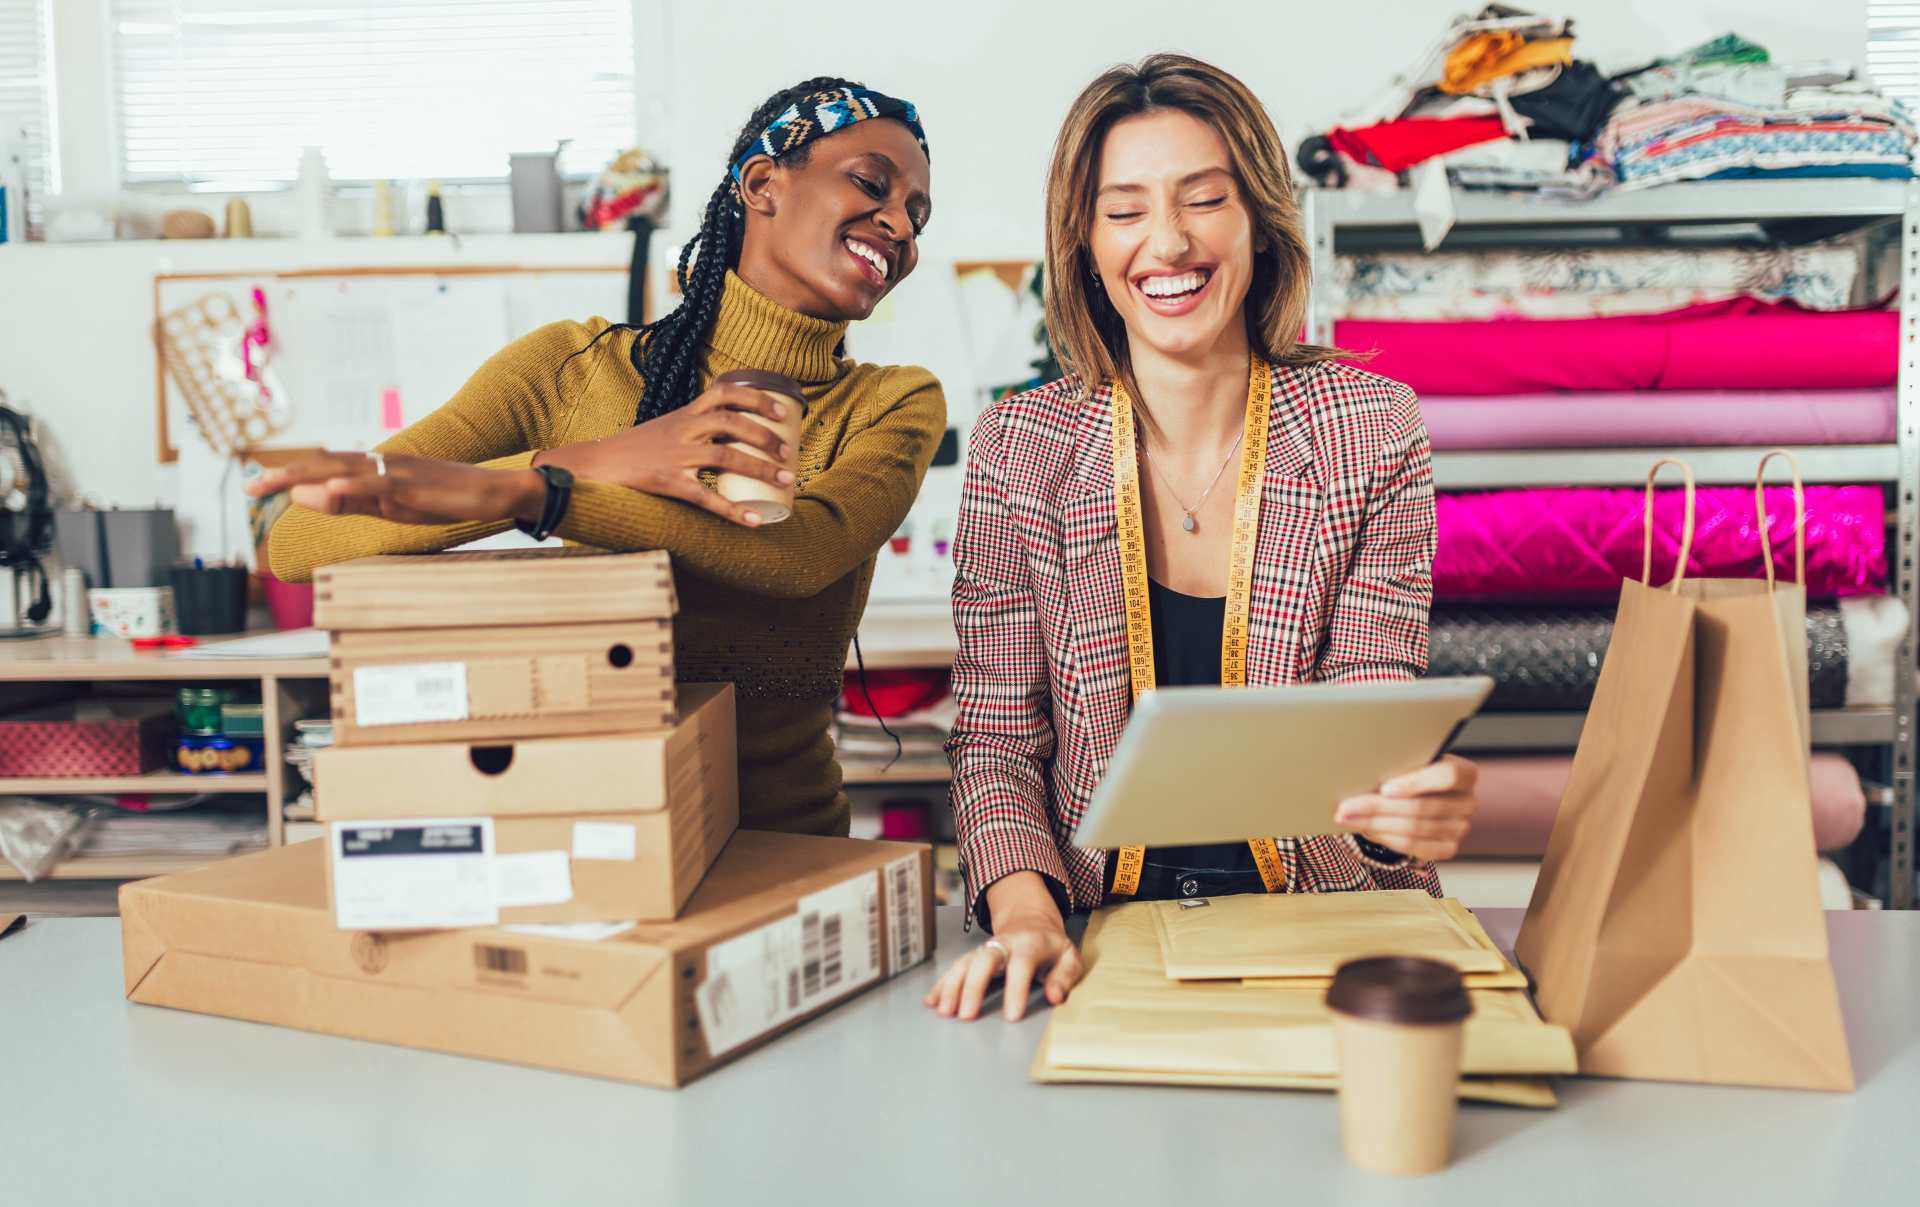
[1661, 419]
[1739, 344]
[1519, 796]
[1398, 145]
[1686, 135]
[1591, 282]
[1547, 659]
[1556, 545]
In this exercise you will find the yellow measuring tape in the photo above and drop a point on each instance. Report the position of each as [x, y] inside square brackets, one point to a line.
[1133, 572]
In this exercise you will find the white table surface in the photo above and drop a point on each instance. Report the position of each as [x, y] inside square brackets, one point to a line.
[110, 1103]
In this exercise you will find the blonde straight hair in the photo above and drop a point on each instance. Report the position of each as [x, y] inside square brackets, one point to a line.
[1088, 334]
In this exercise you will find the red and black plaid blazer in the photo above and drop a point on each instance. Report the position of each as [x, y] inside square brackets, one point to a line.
[1342, 585]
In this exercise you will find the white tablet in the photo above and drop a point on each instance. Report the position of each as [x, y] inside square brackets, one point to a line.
[1213, 764]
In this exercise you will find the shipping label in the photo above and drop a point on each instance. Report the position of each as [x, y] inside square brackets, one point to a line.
[757, 981]
[412, 874]
[409, 693]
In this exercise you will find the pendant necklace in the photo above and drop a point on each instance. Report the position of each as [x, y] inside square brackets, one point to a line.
[1189, 518]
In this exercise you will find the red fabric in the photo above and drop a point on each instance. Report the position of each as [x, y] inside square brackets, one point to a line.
[1740, 344]
[1578, 544]
[895, 693]
[1341, 592]
[1397, 146]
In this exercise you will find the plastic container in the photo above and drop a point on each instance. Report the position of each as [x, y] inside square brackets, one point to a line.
[243, 720]
[219, 755]
[197, 710]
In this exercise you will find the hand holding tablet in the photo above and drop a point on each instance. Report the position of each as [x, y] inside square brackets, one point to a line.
[1208, 764]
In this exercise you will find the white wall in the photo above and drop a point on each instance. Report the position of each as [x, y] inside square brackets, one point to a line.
[993, 78]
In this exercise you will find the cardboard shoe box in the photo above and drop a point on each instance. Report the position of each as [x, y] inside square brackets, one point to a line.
[596, 829]
[489, 587]
[784, 928]
[457, 685]
[498, 643]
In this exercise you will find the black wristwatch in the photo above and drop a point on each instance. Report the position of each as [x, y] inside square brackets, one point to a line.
[559, 494]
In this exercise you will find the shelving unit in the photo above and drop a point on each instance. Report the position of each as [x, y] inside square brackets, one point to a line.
[1896, 466]
[67, 665]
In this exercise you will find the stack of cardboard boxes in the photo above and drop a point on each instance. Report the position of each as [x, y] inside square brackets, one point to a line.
[530, 850]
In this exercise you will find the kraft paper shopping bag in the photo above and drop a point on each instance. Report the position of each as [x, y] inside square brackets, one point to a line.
[1676, 926]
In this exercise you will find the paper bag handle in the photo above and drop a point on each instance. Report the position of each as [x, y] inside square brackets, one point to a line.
[1799, 515]
[1686, 530]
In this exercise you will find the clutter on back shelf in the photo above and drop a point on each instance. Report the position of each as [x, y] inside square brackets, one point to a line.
[1699, 116]
[631, 192]
[1499, 102]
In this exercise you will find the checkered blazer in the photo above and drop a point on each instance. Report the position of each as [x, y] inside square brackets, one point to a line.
[1342, 585]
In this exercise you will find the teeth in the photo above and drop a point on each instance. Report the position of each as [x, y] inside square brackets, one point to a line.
[1167, 287]
[868, 254]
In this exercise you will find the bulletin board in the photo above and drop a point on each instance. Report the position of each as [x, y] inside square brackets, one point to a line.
[359, 353]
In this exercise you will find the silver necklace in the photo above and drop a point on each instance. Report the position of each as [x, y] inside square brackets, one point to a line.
[1189, 519]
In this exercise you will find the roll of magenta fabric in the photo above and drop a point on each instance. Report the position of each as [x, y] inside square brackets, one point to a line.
[1579, 544]
[1741, 344]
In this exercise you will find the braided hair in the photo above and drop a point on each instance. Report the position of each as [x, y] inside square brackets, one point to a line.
[667, 354]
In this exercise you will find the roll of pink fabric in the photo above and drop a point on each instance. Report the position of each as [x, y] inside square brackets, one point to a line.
[1740, 344]
[1672, 419]
[1520, 794]
[1579, 544]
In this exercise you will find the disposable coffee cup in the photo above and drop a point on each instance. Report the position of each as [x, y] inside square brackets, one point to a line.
[770, 500]
[1397, 1026]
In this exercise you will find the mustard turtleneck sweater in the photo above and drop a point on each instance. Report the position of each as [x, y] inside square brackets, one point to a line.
[770, 610]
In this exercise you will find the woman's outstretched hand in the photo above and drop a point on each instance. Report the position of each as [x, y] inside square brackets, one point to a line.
[1029, 940]
[665, 456]
[409, 490]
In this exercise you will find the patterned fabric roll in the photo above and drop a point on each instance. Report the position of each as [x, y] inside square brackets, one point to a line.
[1548, 660]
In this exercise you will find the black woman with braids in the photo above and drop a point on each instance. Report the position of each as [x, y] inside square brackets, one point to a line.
[600, 433]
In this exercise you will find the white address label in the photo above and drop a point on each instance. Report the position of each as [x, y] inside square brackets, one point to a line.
[532, 878]
[605, 840]
[413, 874]
[757, 981]
[409, 693]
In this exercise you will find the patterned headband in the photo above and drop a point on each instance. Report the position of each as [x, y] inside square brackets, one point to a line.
[821, 113]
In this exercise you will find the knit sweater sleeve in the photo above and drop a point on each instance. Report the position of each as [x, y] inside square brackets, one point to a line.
[511, 408]
[839, 520]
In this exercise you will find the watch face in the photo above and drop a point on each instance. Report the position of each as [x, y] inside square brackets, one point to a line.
[562, 478]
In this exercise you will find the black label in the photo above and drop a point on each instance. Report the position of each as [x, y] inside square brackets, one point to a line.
[356, 841]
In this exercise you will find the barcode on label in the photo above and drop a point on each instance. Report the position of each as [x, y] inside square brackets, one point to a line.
[873, 932]
[831, 967]
[902, 886]
[510, 960]
[810, 953]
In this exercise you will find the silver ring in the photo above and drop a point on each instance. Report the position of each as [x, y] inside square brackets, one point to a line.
[997, 945]
[379, 464]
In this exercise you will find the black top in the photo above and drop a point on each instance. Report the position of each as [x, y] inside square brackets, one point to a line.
[1186, 653]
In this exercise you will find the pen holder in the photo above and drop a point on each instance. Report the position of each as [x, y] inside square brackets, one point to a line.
[210, 599]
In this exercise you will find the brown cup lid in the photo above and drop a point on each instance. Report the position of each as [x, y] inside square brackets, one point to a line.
[1400, 989]
[765, 379]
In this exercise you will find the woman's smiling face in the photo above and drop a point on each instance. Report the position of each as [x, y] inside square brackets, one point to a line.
[844, 225]
[1171, 237]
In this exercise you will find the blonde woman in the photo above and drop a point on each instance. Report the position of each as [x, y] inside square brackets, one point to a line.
[1177, 284]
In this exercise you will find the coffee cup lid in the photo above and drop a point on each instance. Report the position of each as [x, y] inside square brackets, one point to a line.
[764, 379]
[1400, 989]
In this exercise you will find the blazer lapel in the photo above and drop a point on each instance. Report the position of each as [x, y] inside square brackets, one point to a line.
[1097, 603]
[1287, 598]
